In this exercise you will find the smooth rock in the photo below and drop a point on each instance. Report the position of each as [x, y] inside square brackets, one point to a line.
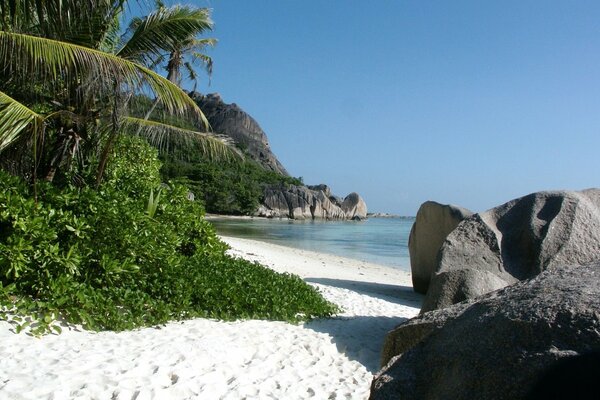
[516, 241]
[433, 223]
[497, 346]
[299, 202]
[449, 287]
[354, 207]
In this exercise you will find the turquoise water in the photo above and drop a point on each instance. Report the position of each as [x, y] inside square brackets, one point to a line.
[376, 240]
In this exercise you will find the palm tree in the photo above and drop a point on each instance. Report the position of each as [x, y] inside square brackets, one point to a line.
[68, 76]
[184, 52]
[193, 48]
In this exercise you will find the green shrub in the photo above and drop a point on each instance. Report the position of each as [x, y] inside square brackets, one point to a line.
[234, 188]
[134, 167]
[96, 257]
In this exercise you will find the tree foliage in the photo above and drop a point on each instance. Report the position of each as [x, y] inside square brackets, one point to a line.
[98, 258]
[67, 59]
[234, 188]
[127, 251]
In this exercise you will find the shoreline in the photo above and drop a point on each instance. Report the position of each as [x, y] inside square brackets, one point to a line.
[209, 216]
[209, 359]
[319, 236]
[316, 267]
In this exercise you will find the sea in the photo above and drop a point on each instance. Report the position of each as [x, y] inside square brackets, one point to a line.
[381, 241]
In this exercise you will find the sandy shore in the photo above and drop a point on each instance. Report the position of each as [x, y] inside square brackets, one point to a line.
[206, 359]
[208, 217]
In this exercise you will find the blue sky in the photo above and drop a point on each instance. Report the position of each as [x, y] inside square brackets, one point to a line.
[465, 102]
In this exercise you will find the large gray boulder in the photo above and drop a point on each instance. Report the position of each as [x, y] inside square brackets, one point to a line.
[497, 346]
[230, 120]
[433, 223]
[326, 208]
[291, 201]
[515, 241]
[354, 207]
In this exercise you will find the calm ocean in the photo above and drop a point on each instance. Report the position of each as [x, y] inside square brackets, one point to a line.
[376, 240]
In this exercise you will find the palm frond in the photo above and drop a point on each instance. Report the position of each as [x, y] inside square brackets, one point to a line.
[206, 60]
[110, 41]
[73, 21]
[163, 31]
[197, 47]
[192, 75]
[203, 43]
[15, 120]
[41, 58]
[169, 137]
[157, 61]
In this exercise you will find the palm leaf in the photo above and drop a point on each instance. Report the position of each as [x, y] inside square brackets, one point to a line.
[203, 43]
[111, 38]
[41, 58]
[16, 120]
[168, 137]
[163, 31]
[206, 60]
[192, 75]
[73, 21]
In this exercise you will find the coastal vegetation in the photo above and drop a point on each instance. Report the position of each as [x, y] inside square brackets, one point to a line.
[87, 231]
[231, 188]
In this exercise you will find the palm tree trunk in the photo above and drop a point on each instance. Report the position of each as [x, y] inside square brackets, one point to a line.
[174, 67]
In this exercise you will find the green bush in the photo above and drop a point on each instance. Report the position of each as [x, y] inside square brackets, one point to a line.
[234, 188]
[134, 167]
[96, 257]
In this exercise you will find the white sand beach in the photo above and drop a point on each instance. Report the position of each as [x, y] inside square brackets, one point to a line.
[206, 359]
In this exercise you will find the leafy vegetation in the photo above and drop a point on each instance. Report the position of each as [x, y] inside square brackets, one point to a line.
[69, 75]
[101, 259]
[100, 241]
[234, 188]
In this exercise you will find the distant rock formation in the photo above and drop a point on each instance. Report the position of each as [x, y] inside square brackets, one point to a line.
[433, 223]
[232, 121]
[498, 346]
[295, 202]
[384, 215]
[310, 202]
[515, 241]
[354, 207]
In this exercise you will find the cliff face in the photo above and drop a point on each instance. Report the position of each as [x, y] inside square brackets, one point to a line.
[232, 121]
[286, 201]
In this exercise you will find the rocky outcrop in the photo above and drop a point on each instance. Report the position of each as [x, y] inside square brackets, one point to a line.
[384, 215]
[496, 347]
[230, 120]
[515, 241]
[354, 207]
[433, 223]
[312, 202]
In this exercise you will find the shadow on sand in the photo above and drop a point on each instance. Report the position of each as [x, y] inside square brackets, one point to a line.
[361, 338]
[397, 294]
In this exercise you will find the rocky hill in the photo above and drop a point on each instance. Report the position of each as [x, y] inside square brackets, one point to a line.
[232, 121]
[291, 201]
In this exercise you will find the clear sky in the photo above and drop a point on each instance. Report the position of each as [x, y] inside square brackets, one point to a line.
[472, 103]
